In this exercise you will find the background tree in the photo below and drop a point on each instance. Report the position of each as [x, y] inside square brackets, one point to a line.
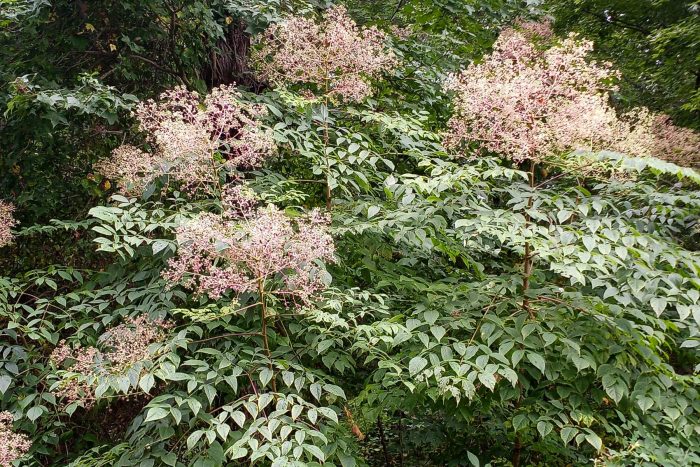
[653, 43]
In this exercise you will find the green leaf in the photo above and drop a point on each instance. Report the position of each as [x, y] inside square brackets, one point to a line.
[431, 316]
[594, 440]
[266, 375]
[238, 417]
[335, 390]
[195, 405]
[645, 403]
[658, 304]
[563, 215]
[177, 414]
[567, 434]
[372, 211]
[438, 332]
[488, 380]
[315, 451]
[34, 413]
[346, 460]
[519, 421]
[312, 414]
[193, 439]
[416, 364]
[156, 413]
[616, 391]
[160, 245]
[5, 381]
[544, 428]
[537, 360]
[147, 382]
[223, 430]
[315, 389]
[169, 459]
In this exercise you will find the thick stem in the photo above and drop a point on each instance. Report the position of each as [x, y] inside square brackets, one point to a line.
[382, 439]
[325, 153]
[528, 261]
[518, 447]
[401, 439]
[263, 318]
[516, 451]
[328, 196]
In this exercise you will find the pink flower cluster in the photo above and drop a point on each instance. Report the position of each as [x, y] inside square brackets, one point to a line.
[186, 133]
[336, 55]
[7, 222]
[527, 103]
[120, 347]
[655, 135]
[535, 30]
[401, 33]
[87, 363]
[238, 201]
[241, 252]
[128, 342]
[12, 445]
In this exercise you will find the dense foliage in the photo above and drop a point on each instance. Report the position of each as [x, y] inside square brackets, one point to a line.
[653, 42]
[439, 233]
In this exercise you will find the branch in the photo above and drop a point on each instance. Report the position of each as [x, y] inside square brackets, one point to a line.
[397, 9]
[162, 68]
[617, 22]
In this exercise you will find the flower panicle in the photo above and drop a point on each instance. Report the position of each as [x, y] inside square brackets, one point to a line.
[186, 133]
[119, 348]
[13, 446]
[7, 223]
[527, 103]
[335, 55]
[243, 248]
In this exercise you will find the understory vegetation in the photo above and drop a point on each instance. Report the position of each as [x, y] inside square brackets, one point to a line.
[304, 232]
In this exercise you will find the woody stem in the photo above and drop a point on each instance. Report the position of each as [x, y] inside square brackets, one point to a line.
[528, 260]
[263, 319]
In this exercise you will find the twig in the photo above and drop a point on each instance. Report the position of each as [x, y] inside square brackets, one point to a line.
[230, 334]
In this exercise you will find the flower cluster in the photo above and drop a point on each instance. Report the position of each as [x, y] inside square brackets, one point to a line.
[336, 55]
[655, 135]
[401, 33]
[673, 143]
[7, 222]
[527, 103]
[186, 134]
[238, 201]
[12, 445]
[120, 347]
[128, 342]
[535, 30]
[86, 363]
[239, 252]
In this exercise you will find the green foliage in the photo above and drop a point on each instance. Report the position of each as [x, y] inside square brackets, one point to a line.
[654, 43]
[434, 344]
